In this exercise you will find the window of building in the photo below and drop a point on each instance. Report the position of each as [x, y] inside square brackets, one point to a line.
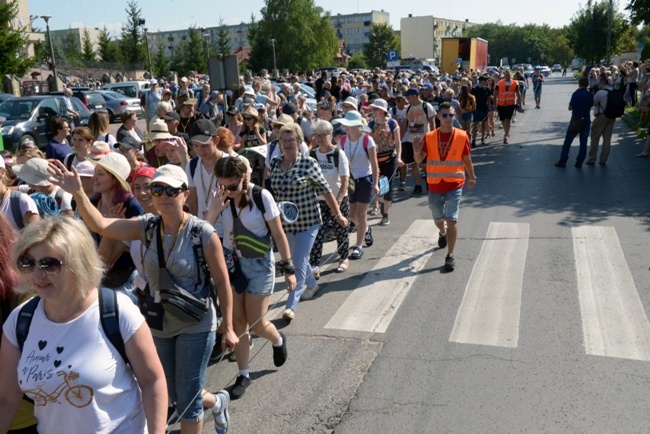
[356, 19]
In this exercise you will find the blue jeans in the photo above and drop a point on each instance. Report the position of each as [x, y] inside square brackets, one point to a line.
[300, 245]
[185, 359]
[568, 139]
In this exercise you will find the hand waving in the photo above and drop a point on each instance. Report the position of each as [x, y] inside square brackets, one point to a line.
[66, 179]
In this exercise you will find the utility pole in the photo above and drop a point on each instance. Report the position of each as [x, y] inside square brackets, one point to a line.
[146, 41]
[49, 36]
[275, 67]
[609, 32]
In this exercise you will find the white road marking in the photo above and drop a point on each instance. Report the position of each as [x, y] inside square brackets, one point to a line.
[614, 322]
[373, 304]
[489, 312]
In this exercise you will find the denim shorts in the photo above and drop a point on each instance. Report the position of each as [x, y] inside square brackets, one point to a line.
[184, 359]
[260, 273]
[468, 117]
[363, 190]
[445, 206]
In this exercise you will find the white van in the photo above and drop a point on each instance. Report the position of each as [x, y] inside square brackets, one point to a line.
[132, 89]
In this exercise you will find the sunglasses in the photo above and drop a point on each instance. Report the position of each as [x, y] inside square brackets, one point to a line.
[447, 115]
[233, 187]
[27, 264]
[157, 190]
[248, 118]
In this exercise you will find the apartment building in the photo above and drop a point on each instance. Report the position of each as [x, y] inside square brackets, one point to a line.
[355, 28]
[237, 33]
[421, 36]
[61, 38]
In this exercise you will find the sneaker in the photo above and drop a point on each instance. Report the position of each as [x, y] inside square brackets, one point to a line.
[416, 190]
[343, 266]
[309, 293]
[224, 397]
[288, 315]
[442, 241]
[357, 252]
[385, 221]
[402, 186]
[449, 263]
[280, 353]
[240, 386]
[369, 240]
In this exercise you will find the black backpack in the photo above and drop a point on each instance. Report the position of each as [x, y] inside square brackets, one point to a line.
[615, 107]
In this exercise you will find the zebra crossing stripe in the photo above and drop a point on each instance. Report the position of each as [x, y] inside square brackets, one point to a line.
[614, 322]
[373, 304]
[489, 312]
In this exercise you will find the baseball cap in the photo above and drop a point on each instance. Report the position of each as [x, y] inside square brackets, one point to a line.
[202, 131]
[172, 116]
[153, 81]
[383, 87]
[128, 142]
[412, 92]
[171, 175]
[428, 86]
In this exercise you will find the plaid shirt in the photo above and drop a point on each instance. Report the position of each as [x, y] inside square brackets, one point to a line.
[300, 184]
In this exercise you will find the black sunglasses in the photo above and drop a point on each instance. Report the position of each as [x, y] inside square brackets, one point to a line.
[233, 187]
[27, 264]
[157, 190]
[447, 115]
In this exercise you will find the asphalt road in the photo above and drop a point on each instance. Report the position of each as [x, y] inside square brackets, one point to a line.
[542, 327]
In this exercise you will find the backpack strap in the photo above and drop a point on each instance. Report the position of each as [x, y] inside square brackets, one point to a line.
[272, 146]
[366, 141]
[16, 213]
[426, 111]
[259, 203]
[193, 163]
[24, 320]
[201, 263]
[58, 196]
[110, 320]
[336, 157]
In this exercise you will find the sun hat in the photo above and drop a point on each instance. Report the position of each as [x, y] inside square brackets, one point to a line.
[248, 90]
[283, 120]
[128, 142]
[184, 79]
[99, 149]
[351, 101]
[34, 172]
[250, 111]
[380, 104]
[171, 175]
[117, 165]
[159, 130]
[190, 101]
[232, 110]
[352, 119]
[85, 169]
[202, 131]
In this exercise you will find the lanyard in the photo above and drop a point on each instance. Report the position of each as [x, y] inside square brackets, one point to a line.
[207, 189]
[178, 231]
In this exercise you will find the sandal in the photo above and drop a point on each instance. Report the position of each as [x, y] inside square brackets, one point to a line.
[343, 266]
[357, 252]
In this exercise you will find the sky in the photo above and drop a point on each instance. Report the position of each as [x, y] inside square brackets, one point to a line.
[165, 15]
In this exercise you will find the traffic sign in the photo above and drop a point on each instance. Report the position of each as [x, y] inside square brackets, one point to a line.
[392, 55]
[392, 63]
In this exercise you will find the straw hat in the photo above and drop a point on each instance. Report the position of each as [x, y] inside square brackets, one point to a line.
[250, 111]
[99, 149]
[34, 172]
[117, 165]
[159, 130]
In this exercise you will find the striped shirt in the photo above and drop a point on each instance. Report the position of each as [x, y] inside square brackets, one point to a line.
[300, 184]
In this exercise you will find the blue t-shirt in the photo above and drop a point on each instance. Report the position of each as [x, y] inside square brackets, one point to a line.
[581, 102]
[57, 150]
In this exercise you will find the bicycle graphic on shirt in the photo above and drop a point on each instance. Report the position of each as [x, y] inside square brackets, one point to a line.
[77, 395]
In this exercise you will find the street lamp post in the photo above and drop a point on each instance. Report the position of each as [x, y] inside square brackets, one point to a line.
[49, 36]
[146, 41]
[275, 67]
[609, 33]
[206, 38]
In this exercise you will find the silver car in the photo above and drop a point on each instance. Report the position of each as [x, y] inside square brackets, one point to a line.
[116, 104]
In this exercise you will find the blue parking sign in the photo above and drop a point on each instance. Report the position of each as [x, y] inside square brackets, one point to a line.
[392, 55]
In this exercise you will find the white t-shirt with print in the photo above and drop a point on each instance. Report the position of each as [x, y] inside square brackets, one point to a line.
[354, 150]
[251, 216]
[415, 116]
[27, 204]
[101, 395]
[331, 173]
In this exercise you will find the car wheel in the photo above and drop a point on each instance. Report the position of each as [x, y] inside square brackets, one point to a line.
[27, 140]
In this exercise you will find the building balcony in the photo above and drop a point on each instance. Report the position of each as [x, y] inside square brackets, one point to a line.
[367, 23]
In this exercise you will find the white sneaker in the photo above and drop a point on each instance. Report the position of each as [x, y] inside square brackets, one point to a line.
[309, 293]
[288, 315]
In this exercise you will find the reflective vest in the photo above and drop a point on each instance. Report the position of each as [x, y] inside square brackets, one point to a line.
[507, 97]
[452, 169]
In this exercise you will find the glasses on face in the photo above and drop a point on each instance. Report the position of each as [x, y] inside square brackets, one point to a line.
[157, 190]
[248, 118]
[447, 115]
[233, 187]
[321, 136]
[49, 265]
[288, 141]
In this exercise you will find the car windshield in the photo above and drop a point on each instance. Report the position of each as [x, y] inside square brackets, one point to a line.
[17, 109]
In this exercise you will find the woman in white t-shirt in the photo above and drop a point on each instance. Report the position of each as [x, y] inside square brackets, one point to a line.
[77, 378]
[248, 238]
[82, 140]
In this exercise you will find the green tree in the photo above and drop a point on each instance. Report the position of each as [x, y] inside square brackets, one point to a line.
[87, 50]
[588, 31]
[196, 56]
[560, 50]
[639, 11]
[12, 40]
[222, 45]
[358, 61]
[180, 59]
[160, 63]
[108, 49]
[304, 38]
[71, 51]
[131, 42]
[381, 40]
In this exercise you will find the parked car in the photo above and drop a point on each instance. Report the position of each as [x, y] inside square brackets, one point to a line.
[117, 103]
[5, 96]
[28, 118]
[310, 102]
[557, 68]
[132, 89]
[90, 98]
[545, 70]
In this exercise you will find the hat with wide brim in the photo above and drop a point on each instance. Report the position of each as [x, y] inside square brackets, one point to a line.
[34, 172]
[352, 119]
[117, 165]
[159, 130]
[380, 104]
[283, 120]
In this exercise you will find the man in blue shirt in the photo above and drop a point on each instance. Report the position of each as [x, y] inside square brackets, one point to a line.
[580, 105]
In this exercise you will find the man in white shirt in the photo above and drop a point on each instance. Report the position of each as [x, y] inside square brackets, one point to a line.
[602, 126]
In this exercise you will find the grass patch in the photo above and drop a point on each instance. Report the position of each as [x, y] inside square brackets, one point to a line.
[632, 117]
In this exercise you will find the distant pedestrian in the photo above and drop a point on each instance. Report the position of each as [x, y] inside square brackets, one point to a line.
[602, 126]
[580, 105]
